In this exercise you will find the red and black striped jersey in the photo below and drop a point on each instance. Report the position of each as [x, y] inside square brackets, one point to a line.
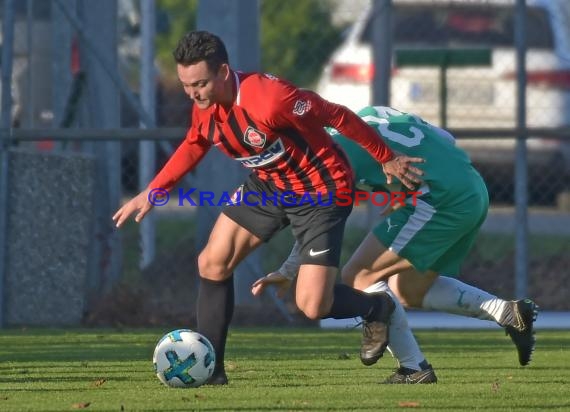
[277, 130]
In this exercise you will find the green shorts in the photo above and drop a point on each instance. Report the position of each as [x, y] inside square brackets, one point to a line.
[435, 238]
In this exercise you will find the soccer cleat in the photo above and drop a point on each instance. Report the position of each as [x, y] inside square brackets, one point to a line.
[411, 376]
[517, 319]
[375, 329]
[219, 377]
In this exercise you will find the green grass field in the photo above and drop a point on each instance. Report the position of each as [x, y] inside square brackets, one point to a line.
[278, 369]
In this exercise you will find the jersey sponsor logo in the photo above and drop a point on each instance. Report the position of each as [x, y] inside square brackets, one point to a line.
[301, 107]
[254, 137]
[272, 153]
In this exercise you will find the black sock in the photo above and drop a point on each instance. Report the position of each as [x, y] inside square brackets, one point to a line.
[424, 365]
[350, 303]
[214, 313]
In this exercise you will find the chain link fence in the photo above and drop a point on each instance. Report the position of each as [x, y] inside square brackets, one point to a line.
[467, 82]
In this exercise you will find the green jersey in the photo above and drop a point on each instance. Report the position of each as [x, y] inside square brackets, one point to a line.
[448, 172]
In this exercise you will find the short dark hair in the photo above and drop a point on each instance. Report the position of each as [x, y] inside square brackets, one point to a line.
[197, 46]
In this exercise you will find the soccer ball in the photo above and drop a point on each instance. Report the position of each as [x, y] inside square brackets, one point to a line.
[184, 359]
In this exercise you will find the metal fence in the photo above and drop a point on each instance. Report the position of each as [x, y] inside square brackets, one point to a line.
[330, 46]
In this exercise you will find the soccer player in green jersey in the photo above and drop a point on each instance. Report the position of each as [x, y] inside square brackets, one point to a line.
[416, 252]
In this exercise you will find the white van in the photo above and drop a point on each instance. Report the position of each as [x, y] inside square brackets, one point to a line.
[478, 96]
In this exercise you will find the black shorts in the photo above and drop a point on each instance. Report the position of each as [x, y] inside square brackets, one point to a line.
[317, 224]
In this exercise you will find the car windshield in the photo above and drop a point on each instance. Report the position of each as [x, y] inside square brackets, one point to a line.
[465, 26]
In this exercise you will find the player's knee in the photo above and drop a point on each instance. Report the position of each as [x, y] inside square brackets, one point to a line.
[314, 313]
[313, 309]
[211, 268]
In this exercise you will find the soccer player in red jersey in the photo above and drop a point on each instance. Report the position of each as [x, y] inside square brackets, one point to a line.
[277, 130]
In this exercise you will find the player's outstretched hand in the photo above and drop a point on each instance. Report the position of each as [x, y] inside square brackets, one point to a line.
[281, 283]
[139, 203]
[401, 168]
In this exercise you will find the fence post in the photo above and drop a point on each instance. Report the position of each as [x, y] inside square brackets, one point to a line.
[382, 63]
[102, 100]
[521, 178]
[147, 149]
[382, 52]
[7, 47]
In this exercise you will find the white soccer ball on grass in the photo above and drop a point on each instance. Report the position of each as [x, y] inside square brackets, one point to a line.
[184, 359]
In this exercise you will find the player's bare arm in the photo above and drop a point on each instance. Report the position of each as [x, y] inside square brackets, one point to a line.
[139, 204]
[401, 167]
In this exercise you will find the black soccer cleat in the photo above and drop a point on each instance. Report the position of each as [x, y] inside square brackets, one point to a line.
[518, 319]
[375, 329]
[411, 377]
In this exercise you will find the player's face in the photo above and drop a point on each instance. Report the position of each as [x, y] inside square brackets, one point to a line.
[201, 85]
